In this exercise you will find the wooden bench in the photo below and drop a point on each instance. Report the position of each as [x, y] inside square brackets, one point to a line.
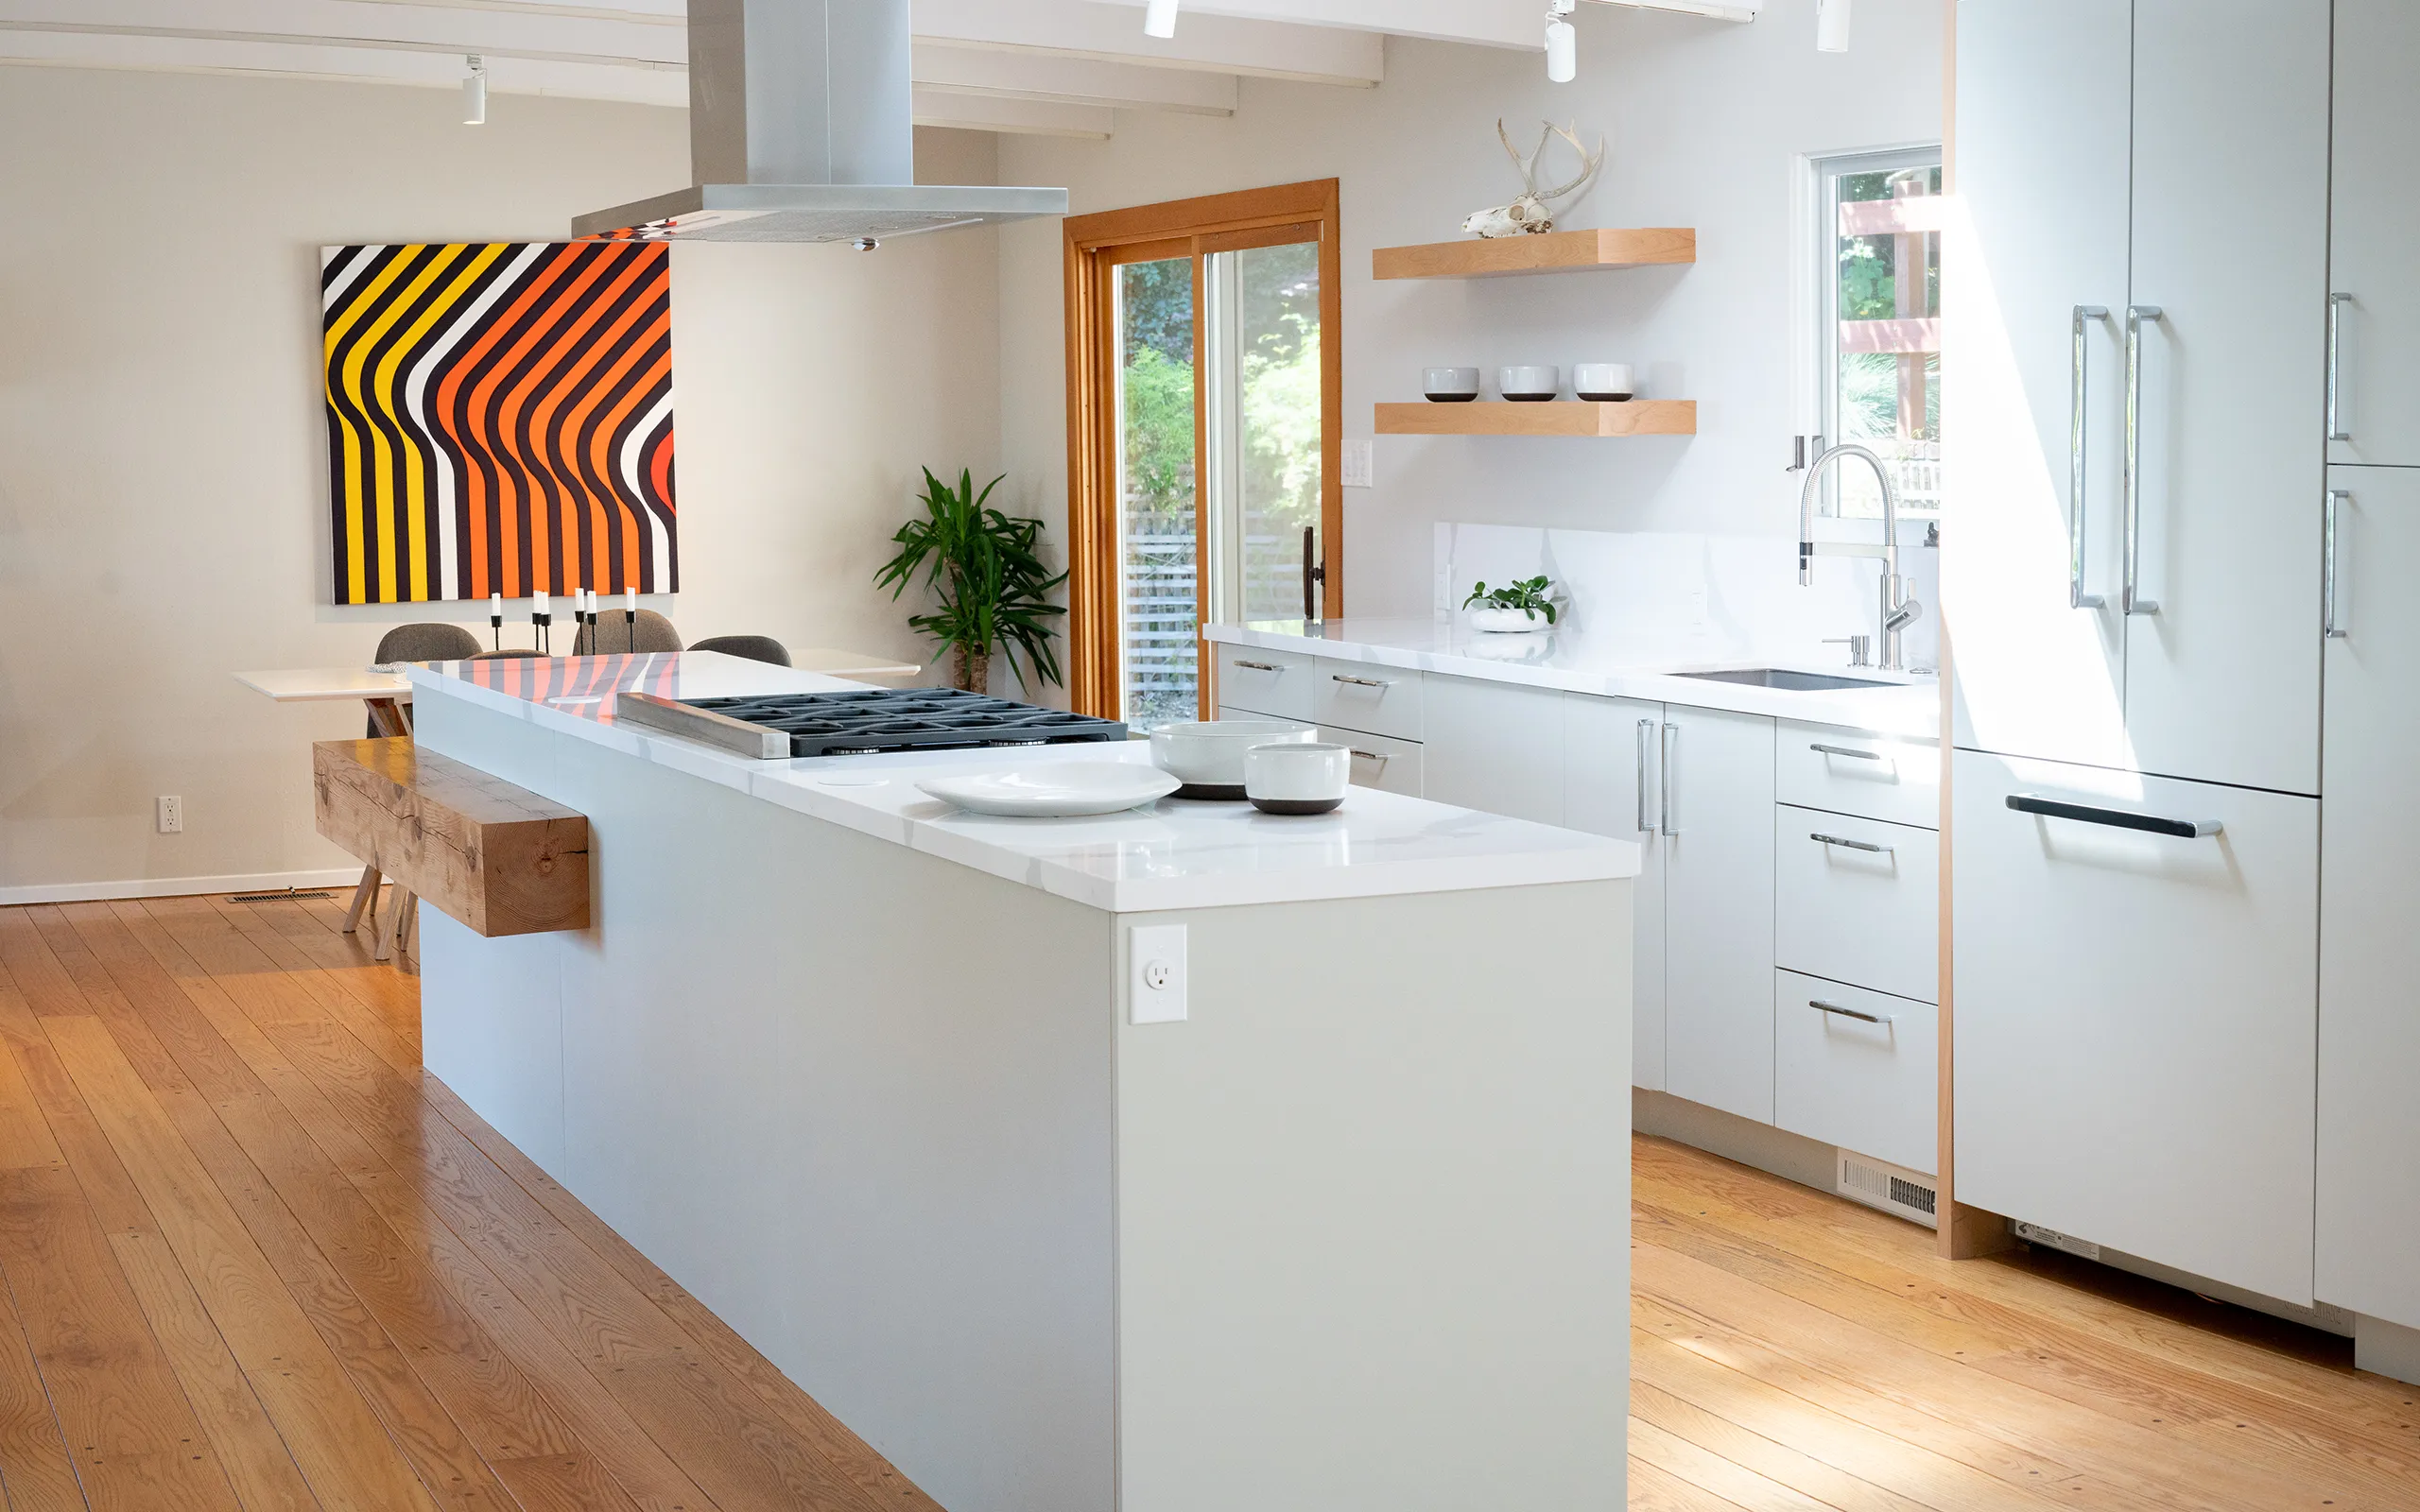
[496, 858]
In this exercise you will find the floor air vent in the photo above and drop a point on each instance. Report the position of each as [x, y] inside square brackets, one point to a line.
[2033, 1233]
[1895, 1190]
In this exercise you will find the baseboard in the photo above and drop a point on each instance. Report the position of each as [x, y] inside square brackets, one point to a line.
[2386, 1349]
[1776, 1152]
[86, 892]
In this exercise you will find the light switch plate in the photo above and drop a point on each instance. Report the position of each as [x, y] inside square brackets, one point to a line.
[1155, 973]
[1360, 463]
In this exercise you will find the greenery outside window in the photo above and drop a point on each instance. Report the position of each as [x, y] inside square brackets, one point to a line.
[1877, 308]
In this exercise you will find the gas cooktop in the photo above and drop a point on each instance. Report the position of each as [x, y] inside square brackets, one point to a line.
[861, 722]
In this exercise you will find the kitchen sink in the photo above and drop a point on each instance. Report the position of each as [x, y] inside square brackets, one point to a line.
[1782, 678]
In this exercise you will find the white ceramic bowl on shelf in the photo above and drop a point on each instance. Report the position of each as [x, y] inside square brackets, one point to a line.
[1208, 756]
[1450, 386]
[1532, 384]
[1605, 382]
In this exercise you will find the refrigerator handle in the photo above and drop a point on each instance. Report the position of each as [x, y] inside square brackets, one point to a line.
[2079, 409]
[2133, 602]
[2049, 808]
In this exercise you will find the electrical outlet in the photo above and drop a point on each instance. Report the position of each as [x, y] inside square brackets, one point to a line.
[1360, 463]
[1155, 973]
[172, 814]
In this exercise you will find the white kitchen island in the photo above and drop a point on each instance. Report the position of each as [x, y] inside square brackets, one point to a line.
[862, 1072]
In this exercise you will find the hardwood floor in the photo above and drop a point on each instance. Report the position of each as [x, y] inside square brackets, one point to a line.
[253, 1258]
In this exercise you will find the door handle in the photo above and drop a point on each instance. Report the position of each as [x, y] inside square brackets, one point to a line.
[1851, 752]
[1380, 757]
[2078, 414]
[1858, 1014]
[1844, 844]
[2133, 601]
[1261, 667]
[2051, 808]
[2336, 431]
[1362, 682]
[2331, 623]
[1664, 775]
[1646, 739]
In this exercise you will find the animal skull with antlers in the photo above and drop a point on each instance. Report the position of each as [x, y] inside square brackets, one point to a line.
[1533, 211]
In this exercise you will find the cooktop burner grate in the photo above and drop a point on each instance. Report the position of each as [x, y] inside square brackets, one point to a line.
[888, 719]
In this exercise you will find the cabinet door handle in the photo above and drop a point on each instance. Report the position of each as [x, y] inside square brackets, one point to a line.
[2133, 602]
[2331, 623]
[1261, 667]
[1663, 776]
[1378, 756]
[1858, 1014]
[1362, 683]
[2336, 431]
[1646, 739]
[2078, 416]
[1849, 751]
[1867, 845]
[2116, 818]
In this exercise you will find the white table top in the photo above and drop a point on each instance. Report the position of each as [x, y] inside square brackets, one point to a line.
[1172, 854]
[835, 663]
[315, 685]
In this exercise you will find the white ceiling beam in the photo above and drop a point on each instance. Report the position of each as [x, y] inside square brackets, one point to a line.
[355, 63]
[1113, 32]
[976, 112]
[374, 23]
[1519, 23]
[1072, 81]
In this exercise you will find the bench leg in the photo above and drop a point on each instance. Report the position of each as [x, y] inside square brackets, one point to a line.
[364, 895]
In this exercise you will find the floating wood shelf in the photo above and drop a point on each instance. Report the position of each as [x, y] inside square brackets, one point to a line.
[1565, 416]
[1555, 252]
[493, 856]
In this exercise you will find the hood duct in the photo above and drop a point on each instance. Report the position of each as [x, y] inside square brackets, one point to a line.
[802, 130]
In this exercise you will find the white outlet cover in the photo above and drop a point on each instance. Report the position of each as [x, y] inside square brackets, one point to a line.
[1360, 463]
[1155, 973]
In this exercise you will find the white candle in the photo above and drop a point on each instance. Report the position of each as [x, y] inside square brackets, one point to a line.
[495, 608]
[631, 601]
[537, 605]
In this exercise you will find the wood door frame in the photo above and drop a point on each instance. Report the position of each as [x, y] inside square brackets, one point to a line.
[1094, 244]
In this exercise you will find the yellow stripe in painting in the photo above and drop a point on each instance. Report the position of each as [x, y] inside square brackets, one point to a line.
[383, 448]
[415, 465]
[356, 507]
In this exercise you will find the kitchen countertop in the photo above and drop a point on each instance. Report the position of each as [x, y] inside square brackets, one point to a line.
[1907, 706]
[1173, 854]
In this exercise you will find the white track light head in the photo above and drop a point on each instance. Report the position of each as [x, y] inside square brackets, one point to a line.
[1831, 25]
[1562, 44]
[474, 93]
[1159, 18]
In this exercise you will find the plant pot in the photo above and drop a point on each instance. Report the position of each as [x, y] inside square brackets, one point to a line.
[970, 671]
[1507, 621]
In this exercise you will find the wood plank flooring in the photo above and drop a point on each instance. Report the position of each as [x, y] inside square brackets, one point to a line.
[250, 1257]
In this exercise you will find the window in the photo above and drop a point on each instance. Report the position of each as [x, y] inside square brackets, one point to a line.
[1876, 239]
[1203, 371]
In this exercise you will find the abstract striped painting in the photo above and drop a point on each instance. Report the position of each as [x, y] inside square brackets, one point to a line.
[499, 419]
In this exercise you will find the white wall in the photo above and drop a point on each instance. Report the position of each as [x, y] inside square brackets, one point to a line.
[162, 471]
[1703, 119]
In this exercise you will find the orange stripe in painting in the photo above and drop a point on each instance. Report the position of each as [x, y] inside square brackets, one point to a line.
[508, 411]
[587, 399]
[509, 570]
[601, 439]
[563, 384]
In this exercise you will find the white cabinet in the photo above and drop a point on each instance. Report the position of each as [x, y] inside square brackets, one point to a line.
[1363, 696]
[2375, 214]
[1492, 745]
[1610, 786]
[2369, 1027]
[1857, 1069]
[1818, 766]
[2220, 221]
[1717, 781]
[1381, 761]
[1858, 900]
[1270, 684]
[2137, 1014]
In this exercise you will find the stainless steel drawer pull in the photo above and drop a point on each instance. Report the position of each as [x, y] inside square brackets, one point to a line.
[2331, 579]
[1866, 846]
[1261, 667]
[1858, 1014]
[1663, 776]
[1844, 750]
[1646, 739]
[2336, 431]
[1378, 756]
[1362, 682]
[2051, 808]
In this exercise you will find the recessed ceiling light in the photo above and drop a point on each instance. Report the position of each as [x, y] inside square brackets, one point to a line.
[1159, 18]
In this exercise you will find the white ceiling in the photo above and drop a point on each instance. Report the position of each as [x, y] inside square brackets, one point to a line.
[1062, 67]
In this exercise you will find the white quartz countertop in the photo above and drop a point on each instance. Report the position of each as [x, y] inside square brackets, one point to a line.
[1174, 854]
[1901, 705]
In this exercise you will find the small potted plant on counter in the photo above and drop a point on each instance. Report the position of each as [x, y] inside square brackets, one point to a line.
[1526, 605]
[994, 586]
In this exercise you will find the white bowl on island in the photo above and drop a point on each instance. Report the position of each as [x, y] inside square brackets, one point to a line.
[1063, 790]
[1207, 756]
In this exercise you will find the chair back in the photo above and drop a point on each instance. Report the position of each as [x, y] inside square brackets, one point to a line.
[615, 637]
[428, 641]
[754, 648]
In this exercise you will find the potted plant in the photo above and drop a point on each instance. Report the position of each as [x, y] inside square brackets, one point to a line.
[1519, 606]
[993, 587]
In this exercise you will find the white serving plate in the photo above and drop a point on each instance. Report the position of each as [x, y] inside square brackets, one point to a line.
[1065, 790]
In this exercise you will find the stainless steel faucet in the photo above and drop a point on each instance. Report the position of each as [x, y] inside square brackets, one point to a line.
[1898, 610]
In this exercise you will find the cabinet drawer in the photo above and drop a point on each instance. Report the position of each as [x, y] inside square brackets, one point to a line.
[1272, 684]
[1823, 766]
[1847, 1080]
[1381, 761]
[1858, 900]
[1364, 696]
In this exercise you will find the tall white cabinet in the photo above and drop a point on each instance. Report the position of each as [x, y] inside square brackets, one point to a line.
[1612, 761]
[2132, 586]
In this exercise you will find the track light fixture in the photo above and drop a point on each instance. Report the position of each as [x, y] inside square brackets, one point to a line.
[1159, 18]
[474, 93]
[1562, 44]
[1831, 25]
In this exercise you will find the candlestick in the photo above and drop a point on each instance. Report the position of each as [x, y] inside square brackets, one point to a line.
[631, 617]
[539, 621]
[495, 617]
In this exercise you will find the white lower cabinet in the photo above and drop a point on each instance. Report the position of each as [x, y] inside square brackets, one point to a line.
[2137, 1013]
[1383, 762]
[1858, 900]
[1492, 745]
[1856, 1068]
[1716, 781]
[1610, 787]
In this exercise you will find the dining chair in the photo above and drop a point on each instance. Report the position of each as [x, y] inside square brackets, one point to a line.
[754, 648]
[653, 632]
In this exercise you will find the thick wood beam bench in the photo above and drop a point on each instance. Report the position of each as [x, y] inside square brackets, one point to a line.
[496, 858]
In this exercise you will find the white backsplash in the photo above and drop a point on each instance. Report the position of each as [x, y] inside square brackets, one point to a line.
[1692, 597]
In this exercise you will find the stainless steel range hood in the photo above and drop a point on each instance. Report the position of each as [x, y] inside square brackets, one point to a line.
[801, 129]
